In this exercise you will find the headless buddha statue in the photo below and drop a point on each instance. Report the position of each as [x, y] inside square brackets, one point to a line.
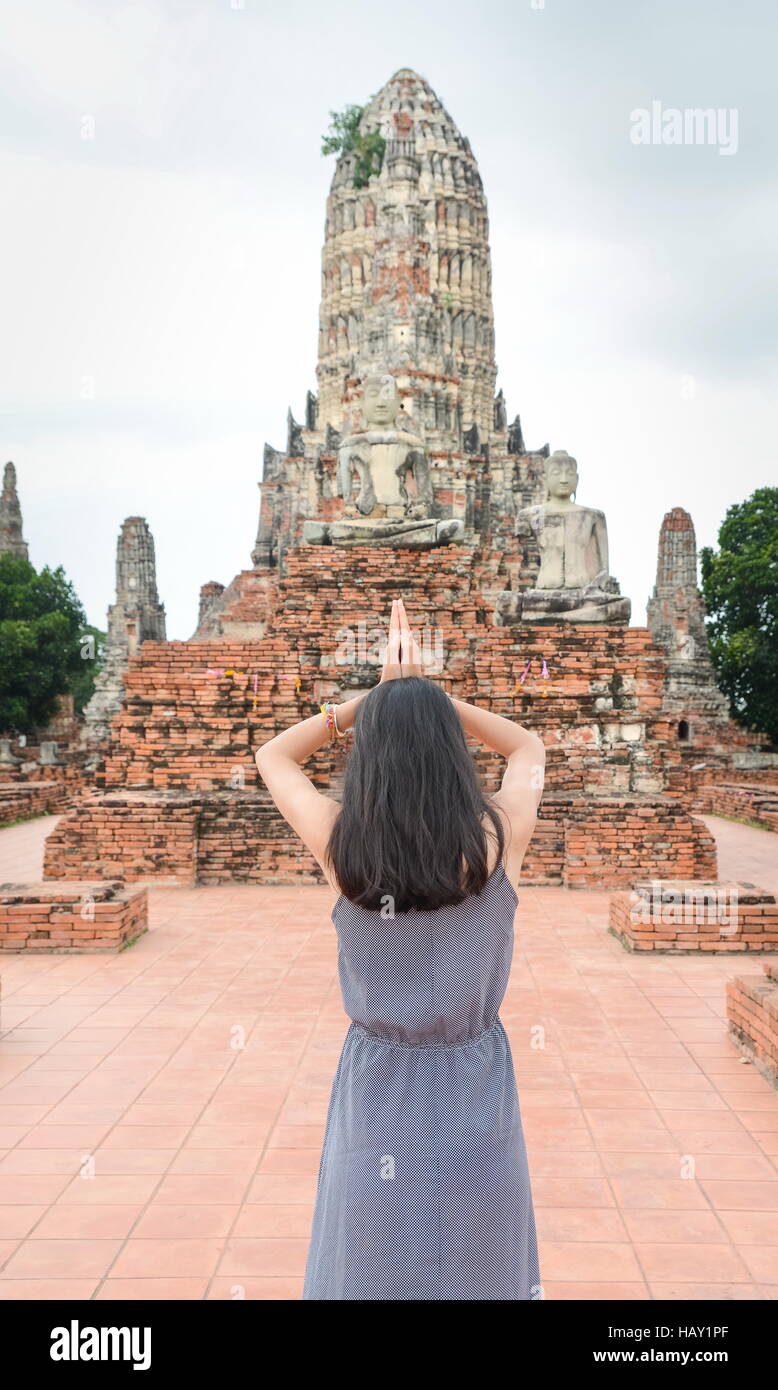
[384, 479]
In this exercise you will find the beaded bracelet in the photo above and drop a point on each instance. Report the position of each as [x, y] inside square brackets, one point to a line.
[328, 710]
[330, 713]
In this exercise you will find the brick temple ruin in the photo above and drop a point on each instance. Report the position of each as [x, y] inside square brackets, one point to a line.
[12, 540]
[47, 771]
[137, 616]
[405, 476]
[36, 777]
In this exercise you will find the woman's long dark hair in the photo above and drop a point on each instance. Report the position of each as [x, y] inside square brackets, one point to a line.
[410, 830]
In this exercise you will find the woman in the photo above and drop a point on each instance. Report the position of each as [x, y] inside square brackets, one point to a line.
[423, 1186]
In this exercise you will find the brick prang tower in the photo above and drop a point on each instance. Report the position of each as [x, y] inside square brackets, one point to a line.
[12, 541]
[136, 616]
[676, 620]
[406, 288]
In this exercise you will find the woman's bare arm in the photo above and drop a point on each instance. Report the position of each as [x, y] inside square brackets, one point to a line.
[309, 812]
[502, 735]
[522, 784]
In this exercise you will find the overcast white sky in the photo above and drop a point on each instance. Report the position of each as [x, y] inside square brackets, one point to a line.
[160, 283]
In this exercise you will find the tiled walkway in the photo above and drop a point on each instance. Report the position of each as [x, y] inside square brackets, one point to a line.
[162, 1111]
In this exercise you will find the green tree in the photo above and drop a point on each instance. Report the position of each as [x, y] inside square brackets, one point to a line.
[41, 622]
[345, 137]
[740, 590]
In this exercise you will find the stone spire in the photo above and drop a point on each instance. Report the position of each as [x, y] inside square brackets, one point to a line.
[12, 541]
[407, 297]
[136, 616]
[406, 274]
[676, 619]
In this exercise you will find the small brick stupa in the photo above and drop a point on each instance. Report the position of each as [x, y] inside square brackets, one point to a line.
[404, 478]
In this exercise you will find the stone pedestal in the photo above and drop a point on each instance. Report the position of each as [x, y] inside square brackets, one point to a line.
[589, 605]
[409, 535]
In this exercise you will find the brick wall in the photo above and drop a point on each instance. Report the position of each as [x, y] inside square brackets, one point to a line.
[78, 916]
[752, 1012]
[238, 836]
[128, 836]
[609, 840]
[242, 839]
[23, 801]
[677, 915]
[758, 804]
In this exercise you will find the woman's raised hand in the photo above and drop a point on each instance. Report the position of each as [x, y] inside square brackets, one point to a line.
[410, 655]
[402, 656]
[392, 670]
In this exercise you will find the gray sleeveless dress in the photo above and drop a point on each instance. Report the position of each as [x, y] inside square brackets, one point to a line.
[424, 1191]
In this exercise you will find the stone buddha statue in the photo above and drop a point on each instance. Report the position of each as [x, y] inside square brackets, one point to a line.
[384, 480]
[573, 583]
[391, 462]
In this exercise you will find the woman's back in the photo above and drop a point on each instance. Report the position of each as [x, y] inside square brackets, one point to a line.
[428, 978]
[423, 1189]
[423, 1186]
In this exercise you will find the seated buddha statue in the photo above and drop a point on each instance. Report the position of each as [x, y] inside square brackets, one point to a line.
[384, 479]
[573, 583]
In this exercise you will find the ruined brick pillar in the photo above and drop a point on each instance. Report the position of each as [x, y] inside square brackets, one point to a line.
[676, 620]
[209, 596]
[136, 616]
[12, 541]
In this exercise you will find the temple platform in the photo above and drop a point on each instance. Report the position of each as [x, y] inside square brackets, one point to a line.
[238, 837]
[182, 799]
[206, 1157]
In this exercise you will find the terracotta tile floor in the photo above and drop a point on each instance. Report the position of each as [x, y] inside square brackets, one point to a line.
[161, 1112]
